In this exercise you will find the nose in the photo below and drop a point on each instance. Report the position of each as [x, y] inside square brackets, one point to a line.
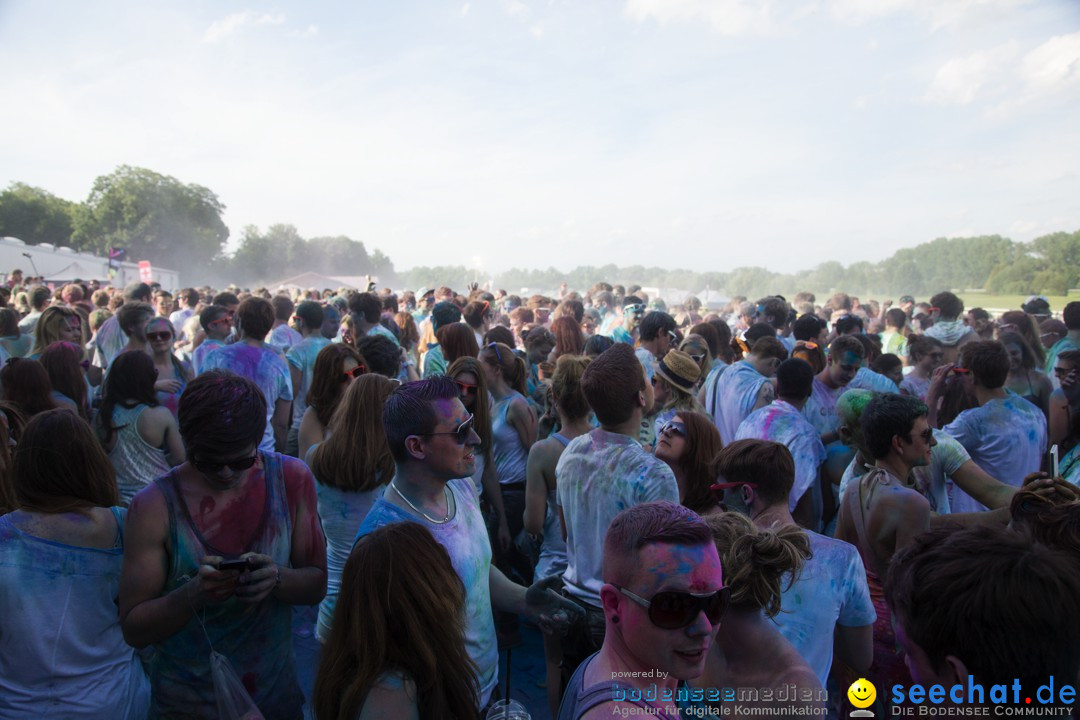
[474, 439]
[701, 626]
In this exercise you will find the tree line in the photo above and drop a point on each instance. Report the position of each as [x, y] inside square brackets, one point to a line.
[179, 226]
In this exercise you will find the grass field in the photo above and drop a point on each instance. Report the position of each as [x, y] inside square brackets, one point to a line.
[989, 301]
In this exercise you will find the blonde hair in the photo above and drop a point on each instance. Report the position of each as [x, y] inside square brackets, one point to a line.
[755, 560]
[566, 385]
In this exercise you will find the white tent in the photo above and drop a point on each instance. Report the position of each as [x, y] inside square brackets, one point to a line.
[62, 264]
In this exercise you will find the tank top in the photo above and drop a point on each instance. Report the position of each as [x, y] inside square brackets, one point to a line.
[172, 400]
[509, 454]
[136, 461]
[257, 639]
[579, 700]
[62, 654]
[553, 550]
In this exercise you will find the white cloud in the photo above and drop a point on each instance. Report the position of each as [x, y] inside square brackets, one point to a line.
[465, 9]
[221, 29]
[959, 80]
[515, 8]
[1053, 64]
[537, 30]
[937, 13]
[728, 17]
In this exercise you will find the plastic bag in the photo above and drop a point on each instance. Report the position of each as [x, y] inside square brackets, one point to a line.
[233, 701]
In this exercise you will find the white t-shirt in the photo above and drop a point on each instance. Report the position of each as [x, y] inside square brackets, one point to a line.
[599, 475]
[781, 422]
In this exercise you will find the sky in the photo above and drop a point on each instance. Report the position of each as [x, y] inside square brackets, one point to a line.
[704, 134]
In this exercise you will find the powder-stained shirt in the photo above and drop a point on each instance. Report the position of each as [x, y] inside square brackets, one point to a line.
[648, 361]
[199, 356]
[820, 407]
[302, 357]
[781, 422]
[261, 365]
[831, 590]
[1006, 437]
[108, 342]
[283, 337]
[465, 538]
[915, 386]
[737, 393]
[599, 475]
[867, 379]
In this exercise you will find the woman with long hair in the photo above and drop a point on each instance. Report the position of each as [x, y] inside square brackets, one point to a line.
[336, 365]
[457, 340]
[749, 650]
[513, 432]
[25, 384]
[11, 427]
[60, 558]
[64, 362]
[541, 511]
[172, 374]
[410, 335]
[351, 469]
[57, 323]
[397, 647]
[675, 387]
[569, 339]
[1020, 322]
[140, 436]
[689, 443]
[925, 354]
[697, 347]
[13, 342]
[1026, 378]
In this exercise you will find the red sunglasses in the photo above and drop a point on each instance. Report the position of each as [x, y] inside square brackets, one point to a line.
[467, 388]
[354, 373]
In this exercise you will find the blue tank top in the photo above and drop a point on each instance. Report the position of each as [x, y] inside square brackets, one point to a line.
[509, 454]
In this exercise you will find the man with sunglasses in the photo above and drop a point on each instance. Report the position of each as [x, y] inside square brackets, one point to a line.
[663, 598]
[632, 313]
[1005, 435]
[432, 440]
[657, 333]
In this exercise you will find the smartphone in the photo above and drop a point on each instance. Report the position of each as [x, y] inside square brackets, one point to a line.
[240, 564]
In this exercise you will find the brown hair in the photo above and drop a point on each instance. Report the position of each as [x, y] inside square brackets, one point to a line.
[1053, 518]
[326, 386]
[988, 361]
[12, 424]
[482, 426]
[769, 347]
[1025, 325]
[766, 464]
[59, 466]
[608, 384]
[26, 385]
[755, 561]
[401, 609]
[698, 461]
[710, 335]
[61, 361]
[255, 316]
[644, 524]
[410, 336]
[569, 340]
[221, 412]
[566, 385]
[510, 363]
[457, 340]
[355, 457]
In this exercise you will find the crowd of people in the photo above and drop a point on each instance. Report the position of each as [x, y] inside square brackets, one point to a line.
[780, 495]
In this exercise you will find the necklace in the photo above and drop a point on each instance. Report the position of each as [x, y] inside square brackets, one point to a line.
[427, 517]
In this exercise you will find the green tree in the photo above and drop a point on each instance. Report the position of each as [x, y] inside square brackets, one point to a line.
[155, 217]
[36, 216]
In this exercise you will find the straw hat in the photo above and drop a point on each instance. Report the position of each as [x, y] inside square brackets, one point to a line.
[680, 370]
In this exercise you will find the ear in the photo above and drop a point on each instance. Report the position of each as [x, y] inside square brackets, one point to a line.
[956, 672]
[897, 444]
[846, 436]
[748, 495]
[414, 445]
[610, 599]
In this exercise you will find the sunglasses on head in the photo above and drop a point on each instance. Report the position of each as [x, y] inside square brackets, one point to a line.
[212, 468]
[461, 434]
[354, 373]
[164, 335]
[673, 428]
[671, 610]
[495, 346]
[673, 336]
[466, 388]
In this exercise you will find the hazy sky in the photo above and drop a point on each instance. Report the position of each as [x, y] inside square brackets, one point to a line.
[680, 133]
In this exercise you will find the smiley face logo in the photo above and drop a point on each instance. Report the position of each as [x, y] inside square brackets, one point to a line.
[862, 693]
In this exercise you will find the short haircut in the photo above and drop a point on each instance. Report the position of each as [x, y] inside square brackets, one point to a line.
[654, 323]
[444, 313]
[919, 346]
[474, 312]
[645, 524]
[609, 384]
[597, 344]
[758, 331]
[769, 465]
[769, 347]
[709, 334]
[840, 301]
[225, 299]
[887, 416]
[500, 334]
[948, 304]
[775, 311]
[846, 344]
[255, 317]
[221, 414]
[139, 291]
[381, 355]
[190, 296]
[988, 361]
[807, 327]
[367, 305]
[210, 314]
[311, 313]
[886, 363]
[573, 308]
[1003, 605]
[132, 314]
[895, 317]
[1071, 315]
[849, 323]
[283, 307]
[794, 379]
[409, 410]
[39, 296]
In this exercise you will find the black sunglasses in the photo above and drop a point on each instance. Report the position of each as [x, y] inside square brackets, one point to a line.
[672, 610]
[673, 428]
[461, 435]
[212, 468]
